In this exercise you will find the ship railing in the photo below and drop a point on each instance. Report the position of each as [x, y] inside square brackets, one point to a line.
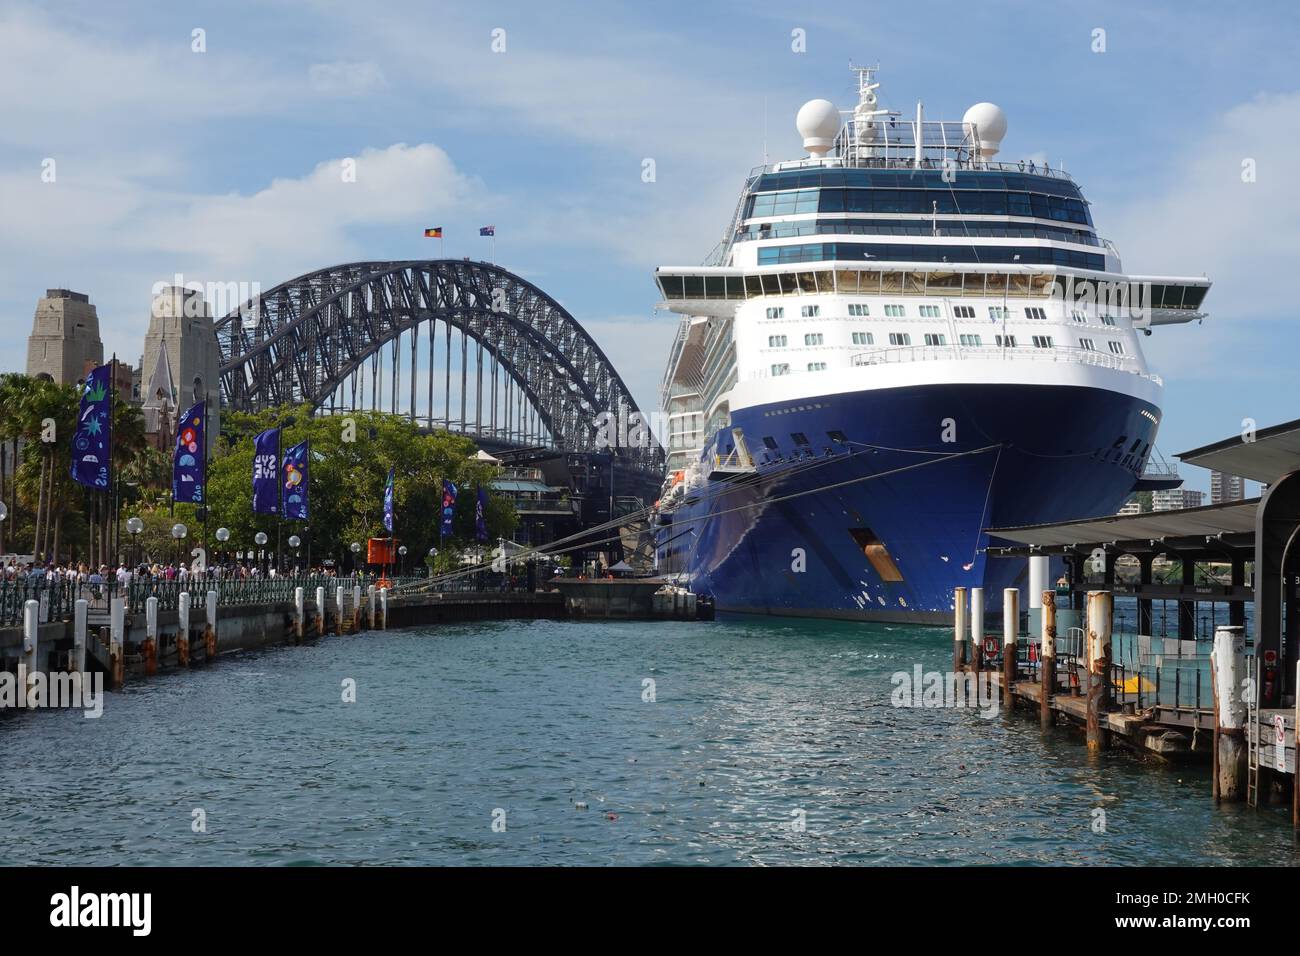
[1019, 353]
[957, 159]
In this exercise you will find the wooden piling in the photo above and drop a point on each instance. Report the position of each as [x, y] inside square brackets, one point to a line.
[1010, 632]
[370, 606]
[320, 612]
[210, 629]
[80, 619]
[1047, 659]
[117, 640]
[31, 644]
[149, 649]
[959, 630]
[356, 608]
[183, 629]
[1228, 662]
[299, 615]
[1100, 612]
[338, 602]
[977, 629]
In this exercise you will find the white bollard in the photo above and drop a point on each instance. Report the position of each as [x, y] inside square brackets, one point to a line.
[320, 612]
[299, 613]
[1037, 580]
[383, 599]
[1229, 666]
[370, 605]
[151, 619]
[183, 629]
[80, 616]
[338, 601]
[117, 639]
[356, 607]
[31, 642]
[977, 627]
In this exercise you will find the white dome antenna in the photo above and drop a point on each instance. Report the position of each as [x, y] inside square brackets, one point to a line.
[818, 121]
[988, 124]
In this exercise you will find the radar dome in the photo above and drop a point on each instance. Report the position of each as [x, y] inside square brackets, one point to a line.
[990, 126]
[818, 122]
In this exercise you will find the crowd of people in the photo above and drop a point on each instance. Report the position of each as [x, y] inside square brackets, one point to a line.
[124, 574]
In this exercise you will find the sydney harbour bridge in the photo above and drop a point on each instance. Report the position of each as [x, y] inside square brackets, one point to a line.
[453, 344]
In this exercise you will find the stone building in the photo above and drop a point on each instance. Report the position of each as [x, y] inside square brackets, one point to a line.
[181, 360]
[65, 337]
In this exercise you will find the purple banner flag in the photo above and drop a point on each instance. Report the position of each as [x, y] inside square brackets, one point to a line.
[449, 492]
[266, 472]
[296, 484]
[480, 515]
[189, 461]
[92, 442]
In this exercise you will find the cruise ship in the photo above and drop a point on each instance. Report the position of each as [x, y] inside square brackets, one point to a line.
[901, 342]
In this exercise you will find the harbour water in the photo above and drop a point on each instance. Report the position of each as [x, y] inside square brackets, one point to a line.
[750, 722]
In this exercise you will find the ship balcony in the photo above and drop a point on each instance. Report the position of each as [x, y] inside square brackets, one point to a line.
[1020, 353]
[730, 467]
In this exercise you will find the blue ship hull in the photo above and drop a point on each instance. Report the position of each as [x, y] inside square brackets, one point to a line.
[875, 523]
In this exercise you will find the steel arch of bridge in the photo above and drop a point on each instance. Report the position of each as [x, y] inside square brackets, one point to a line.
[304, 339]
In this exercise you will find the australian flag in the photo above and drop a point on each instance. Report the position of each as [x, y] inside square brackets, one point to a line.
[480, 515]
[296, 482]
[487, 230]
[390, 499]
[266, 472]
[92, 442]
[449, 492]
[189, 460]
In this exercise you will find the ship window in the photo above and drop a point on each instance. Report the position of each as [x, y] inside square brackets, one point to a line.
[1042, 341]
[776, 341]
[810, 311]
[1008, 341]
[837, 436]
[997, 312]
[1108, 320]
[863, 338]
[1117, 347]
[781, 369]
[857, 308]
[895, 311]
[799, 438]
[1035, 313]
[776, 312]
[816, 366]
[964, 311]
[1078, 316]
[1087, 344]
[935, 338]
[971, 340]
[900, 338]
[813, 338]
[770, 442]
[1136, 443]
[875, 551]
[929, 312]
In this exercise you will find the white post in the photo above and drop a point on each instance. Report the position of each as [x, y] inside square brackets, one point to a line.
[1010, 633]
[80, 616]
[210, 632]
[299, 613]
[31, 642]
[183, 629]
[338, 600]
[920, 118]
[370, 605]
[320, 612]
[356, 607]
[383, 597]
[958, 629]
[1037, 580]
[117, 639]
[151, 619]
[1229, 664]
[977, 628]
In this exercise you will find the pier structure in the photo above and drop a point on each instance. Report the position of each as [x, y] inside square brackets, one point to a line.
[1218, 687]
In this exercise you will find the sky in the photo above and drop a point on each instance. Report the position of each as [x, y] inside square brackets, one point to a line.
[222, 164]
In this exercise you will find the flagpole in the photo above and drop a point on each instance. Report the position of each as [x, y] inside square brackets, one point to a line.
[112, 458]
[206, 499]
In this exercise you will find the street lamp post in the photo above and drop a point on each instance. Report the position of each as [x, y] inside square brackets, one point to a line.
[4, 513]
[401, 553]
[356, 551]
[223, 535]
[295, 542]
[134, 527]
[179, 531]
[261, 539]
[433, 555]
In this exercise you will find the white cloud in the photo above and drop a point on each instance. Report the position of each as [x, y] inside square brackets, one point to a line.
[345, 78]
